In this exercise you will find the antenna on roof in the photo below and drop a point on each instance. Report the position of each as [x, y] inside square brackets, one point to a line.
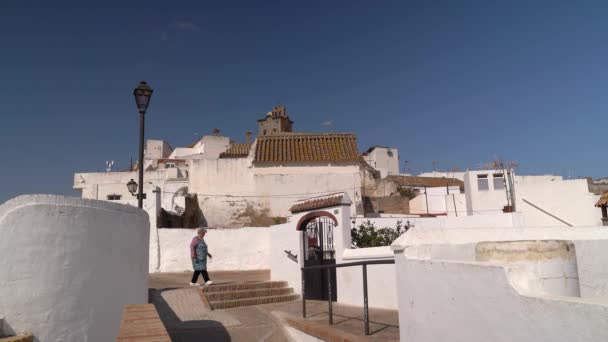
[109, 165]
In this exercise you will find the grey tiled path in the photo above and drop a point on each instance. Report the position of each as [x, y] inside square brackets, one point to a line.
[252, 323]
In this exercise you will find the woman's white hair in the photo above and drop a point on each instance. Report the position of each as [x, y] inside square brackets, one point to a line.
[201, 229]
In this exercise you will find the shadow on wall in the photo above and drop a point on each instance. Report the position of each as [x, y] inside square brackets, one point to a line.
[186, 331]
[192, 217]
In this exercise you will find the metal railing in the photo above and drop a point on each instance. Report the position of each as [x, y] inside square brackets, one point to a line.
[334, 266]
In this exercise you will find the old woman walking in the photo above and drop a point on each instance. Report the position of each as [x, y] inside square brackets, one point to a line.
[199, 253]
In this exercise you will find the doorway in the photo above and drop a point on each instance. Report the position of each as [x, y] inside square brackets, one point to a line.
[318, 243]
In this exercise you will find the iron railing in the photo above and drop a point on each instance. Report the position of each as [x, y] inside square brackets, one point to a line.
[334, 266]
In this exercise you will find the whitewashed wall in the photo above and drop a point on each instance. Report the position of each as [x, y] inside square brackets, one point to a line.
[570, 200]
[381, 281]
[459, 244]
[380, 160]
[444, 301]
[441, 200]
[443, 174]
[284, 237]
[475, 221]
[70, 265]
[441, 285]
[99, 185]
[232, 191]
[232, 249]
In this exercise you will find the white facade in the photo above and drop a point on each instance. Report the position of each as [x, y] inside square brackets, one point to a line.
[383, 159]
[210, 147]
[157, 149]
[444, 174]
[441, 201]
[526, 287]
[234, 192]
[70, 265]
[542, 200]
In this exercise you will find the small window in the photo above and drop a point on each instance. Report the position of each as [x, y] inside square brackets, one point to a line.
[482, 183]
[170, 165]
[499, 181]
[114, 197]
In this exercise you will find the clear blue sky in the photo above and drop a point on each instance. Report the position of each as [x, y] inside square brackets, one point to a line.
[453, 82]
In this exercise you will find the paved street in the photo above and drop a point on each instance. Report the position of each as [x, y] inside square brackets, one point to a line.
[188, 317]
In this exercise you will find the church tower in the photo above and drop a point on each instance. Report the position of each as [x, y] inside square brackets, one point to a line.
[276, 121]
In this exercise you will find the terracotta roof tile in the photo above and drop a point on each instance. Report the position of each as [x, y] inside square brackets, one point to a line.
[306, 147]
[236, 151]
[317, 202]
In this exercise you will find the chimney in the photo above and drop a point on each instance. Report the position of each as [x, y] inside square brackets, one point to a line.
[248, 135]
[216, 132]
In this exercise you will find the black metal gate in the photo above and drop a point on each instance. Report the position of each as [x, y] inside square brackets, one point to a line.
[319, 250]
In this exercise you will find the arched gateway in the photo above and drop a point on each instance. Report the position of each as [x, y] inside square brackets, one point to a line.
[318, 227]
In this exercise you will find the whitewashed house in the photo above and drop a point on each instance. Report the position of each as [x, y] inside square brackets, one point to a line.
[241, 184]
[383, 159]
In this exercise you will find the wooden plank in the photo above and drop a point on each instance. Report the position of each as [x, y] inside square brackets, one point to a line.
[141, 323]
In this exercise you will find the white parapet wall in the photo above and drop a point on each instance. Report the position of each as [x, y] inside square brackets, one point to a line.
[380, 279]
[499, 220]
[285, 237]
[232, 249]
[70, 265]
[503, 284]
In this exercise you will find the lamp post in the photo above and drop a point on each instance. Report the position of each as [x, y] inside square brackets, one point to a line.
[142, 94]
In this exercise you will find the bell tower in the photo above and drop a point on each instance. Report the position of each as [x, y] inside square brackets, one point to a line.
[276, 121]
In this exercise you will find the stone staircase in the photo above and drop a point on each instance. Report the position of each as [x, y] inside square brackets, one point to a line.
[224, 296]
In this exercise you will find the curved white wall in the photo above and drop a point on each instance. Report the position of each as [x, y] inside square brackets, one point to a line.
[441, 283]
[70, 265]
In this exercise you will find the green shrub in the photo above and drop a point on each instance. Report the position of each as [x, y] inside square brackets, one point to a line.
[406, 192]
[367, 235]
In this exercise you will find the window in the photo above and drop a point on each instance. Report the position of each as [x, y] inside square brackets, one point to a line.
[482, 183]
[170, 165]
[499, 181]
[114, 197]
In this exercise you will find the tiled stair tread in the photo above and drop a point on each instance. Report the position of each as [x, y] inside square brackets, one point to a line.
[244, 286]
[240, 294]
[252, 301]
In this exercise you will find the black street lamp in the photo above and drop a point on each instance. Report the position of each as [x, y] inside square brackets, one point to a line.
[132, 186]
[142, 94]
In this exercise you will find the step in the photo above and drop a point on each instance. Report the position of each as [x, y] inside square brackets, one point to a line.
[241, 294]
[225, 304]
[244, 286]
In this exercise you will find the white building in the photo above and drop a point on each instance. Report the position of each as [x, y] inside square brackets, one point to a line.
[444, 174]
[383, 159]
[250, 184]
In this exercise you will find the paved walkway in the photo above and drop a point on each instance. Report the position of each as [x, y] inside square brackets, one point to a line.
[188, 317]
[384, 324]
